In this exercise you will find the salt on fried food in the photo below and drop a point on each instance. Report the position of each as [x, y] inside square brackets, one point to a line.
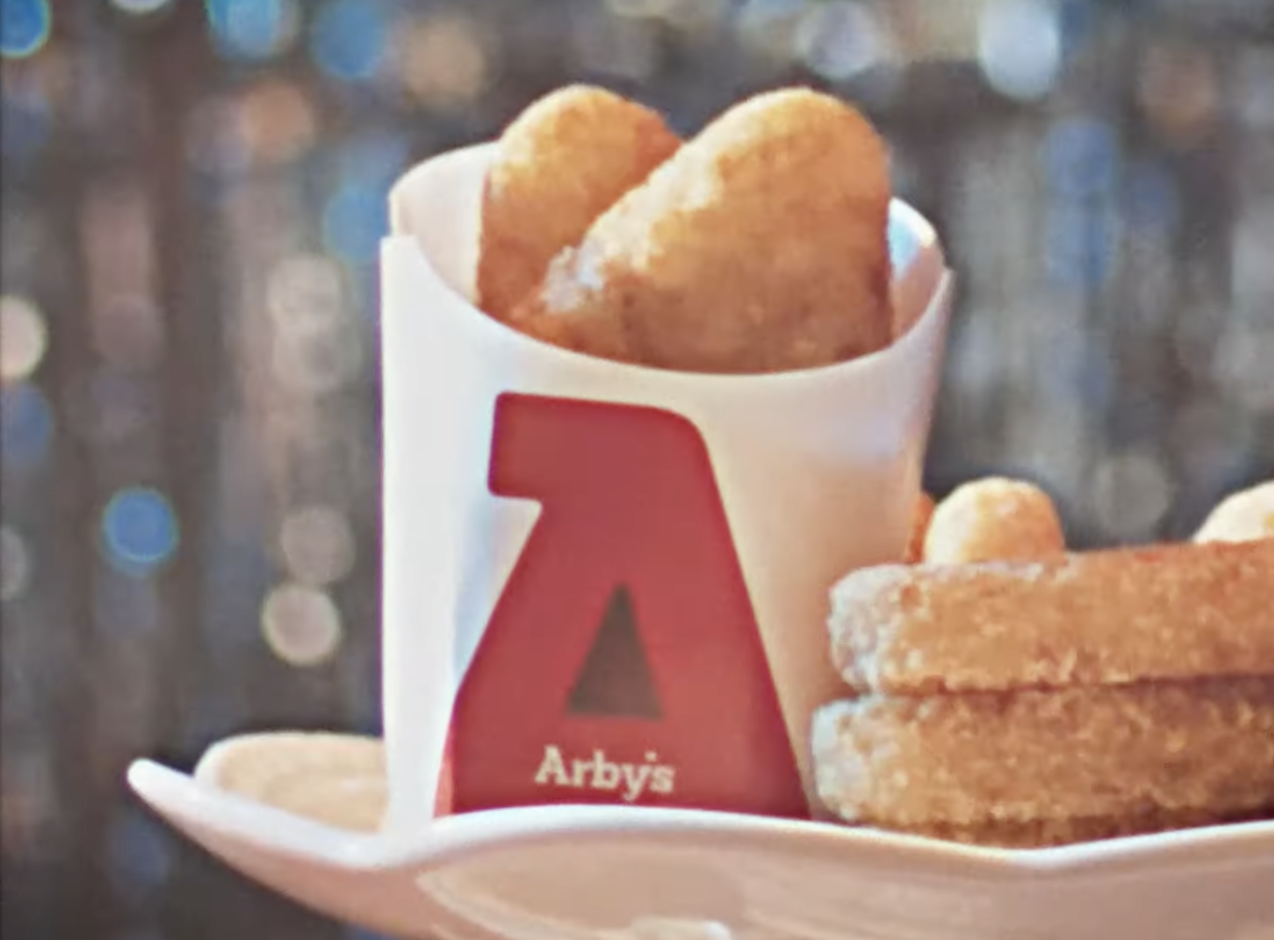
[560, 164]
[760, 246]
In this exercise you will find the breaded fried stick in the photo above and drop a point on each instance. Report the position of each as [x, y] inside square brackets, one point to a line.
[563, 161]
[994, 518]
[1241, 517]
[1118, 616]
[759, 246]
[1034, 767]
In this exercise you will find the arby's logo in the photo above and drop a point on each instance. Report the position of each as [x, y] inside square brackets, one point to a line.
[622, 663]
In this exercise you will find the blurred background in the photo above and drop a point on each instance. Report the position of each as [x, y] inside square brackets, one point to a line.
[192, 197]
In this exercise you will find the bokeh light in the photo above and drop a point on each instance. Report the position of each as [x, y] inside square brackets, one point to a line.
[141, 7]
[840, 39]
[355, 219]
[307, 292]
[348, 39]
[1244, 366]
[1020, 47]
[139, 530]
[313, 363]
[15, 564]
[23, 337]
[317, 545]
[26, 425]
[276, 122]
[300, 624]
[1132, 492]
[1178, 89]
[443, 60]
[24, 27]
[767, 28]
[253, 29]
[641, 9]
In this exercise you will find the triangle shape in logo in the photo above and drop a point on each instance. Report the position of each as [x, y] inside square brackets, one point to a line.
[615, 680]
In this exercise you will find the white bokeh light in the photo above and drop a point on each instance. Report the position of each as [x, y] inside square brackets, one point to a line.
[317, 545]
[15, 564]
[24, 337]
[301, 625]
[1020, 47]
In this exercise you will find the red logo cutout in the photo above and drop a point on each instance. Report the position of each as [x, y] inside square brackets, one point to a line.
[622, 663]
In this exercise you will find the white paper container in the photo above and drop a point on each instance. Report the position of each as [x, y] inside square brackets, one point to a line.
[818, 470]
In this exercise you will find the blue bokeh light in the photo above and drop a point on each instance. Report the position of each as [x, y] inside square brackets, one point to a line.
[26, 425]
[1081, 156]
[251, 29]
[355, 219]
[24, 27]
[139, 530]
[349, 39]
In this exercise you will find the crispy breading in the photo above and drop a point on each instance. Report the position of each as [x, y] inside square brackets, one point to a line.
[994, 518]
[1046, 832]
[1241, 517]
[1034, 758]
[560, 164]
[1114, 616]
[759, 246]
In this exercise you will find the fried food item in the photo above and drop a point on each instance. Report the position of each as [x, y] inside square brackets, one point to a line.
[987, 767]
[1241, 517]
[760, 246]
[1123, 615]
[919, 527]
[335, 779]
[994, 518]
[561, 163]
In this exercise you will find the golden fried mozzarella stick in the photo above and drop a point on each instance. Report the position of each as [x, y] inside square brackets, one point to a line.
[1045, 766]
[1115, 616]
[561, 163]
[759, 246]
[994, 518]
[1241, 517]
[920, 518]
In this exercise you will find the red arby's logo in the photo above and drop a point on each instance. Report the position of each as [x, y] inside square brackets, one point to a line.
[622, 663]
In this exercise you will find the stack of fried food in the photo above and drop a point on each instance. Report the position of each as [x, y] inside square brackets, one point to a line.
[758, 246]
[1043, 697]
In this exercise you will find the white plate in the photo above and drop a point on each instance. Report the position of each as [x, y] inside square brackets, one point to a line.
[615, 873]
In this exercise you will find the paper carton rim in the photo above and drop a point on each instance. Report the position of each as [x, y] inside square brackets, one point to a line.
[927, 263]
